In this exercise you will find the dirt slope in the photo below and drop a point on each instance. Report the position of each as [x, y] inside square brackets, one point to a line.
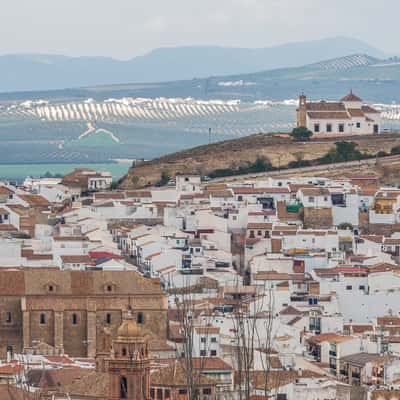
[279, 149]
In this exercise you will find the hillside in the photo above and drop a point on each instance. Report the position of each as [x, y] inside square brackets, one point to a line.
[23, 72]
[374, 79]
[279, 149]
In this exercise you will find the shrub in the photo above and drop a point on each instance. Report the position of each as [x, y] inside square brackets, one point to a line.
[395, 150]
[301, 133]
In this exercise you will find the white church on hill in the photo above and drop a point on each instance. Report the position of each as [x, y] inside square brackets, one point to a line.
[349, 116]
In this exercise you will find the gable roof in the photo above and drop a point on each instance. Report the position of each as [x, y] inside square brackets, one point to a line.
[290, 310]
[325, 106]
[328, 115]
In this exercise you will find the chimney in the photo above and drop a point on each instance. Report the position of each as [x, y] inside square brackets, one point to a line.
[302, 111]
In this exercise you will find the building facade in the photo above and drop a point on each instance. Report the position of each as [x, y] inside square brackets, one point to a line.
[75, 311]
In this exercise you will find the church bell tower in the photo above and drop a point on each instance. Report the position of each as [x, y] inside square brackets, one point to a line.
[129, 364]
[302, 111]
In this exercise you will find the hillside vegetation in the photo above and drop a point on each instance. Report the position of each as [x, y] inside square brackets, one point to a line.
[279, 150]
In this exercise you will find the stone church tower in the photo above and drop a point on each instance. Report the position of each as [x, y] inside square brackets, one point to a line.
[129, 364]
[302, 111]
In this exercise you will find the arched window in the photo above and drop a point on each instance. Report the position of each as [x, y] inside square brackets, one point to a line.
[108, 318]
[123, 388]
[124, 352]
[140, 318]
[74, 319]
[42, 319]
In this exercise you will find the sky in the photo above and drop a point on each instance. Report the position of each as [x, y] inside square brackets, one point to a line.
[127, 28]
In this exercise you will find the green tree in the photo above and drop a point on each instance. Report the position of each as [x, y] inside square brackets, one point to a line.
[261, 164]
[301, 133]
[165, 178]
[395, 150]
[343, 151]
[135, 180]
[114, 185]
[345, 225]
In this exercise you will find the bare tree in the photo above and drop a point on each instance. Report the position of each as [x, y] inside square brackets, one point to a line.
[249, 338]
[185, 304]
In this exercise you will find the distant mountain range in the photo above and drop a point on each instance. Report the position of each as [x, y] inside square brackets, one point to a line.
[34, 72]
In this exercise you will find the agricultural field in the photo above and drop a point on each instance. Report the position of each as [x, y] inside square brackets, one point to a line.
[97, 131]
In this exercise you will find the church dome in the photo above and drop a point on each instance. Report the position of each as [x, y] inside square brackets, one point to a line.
[129, 328]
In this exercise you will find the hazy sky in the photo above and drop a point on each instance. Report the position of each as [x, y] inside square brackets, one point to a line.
[125, 28]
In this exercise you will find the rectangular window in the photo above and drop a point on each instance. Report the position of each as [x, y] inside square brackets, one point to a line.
[311, 199]
[203, 353]
[341, 128]
[213, 340]
[207, 391]
[329, 127]
[316, 128]
[358, 125]
[213, 353]
[8, 317]
[361, 287]
[349, 287]
[202, 339]
[108, 318]
[42, 319]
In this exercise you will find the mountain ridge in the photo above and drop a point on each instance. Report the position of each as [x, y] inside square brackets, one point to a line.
[25, 72]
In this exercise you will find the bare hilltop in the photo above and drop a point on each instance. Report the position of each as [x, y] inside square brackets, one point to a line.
[279, 149]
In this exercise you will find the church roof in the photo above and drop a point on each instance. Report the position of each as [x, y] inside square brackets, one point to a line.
[328, 115]
[351, 97]
[325, 106]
